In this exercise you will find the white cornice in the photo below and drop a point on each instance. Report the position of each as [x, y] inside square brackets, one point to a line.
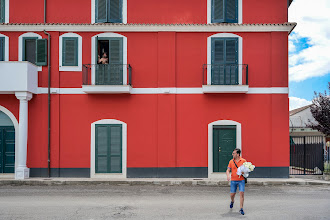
[169, 90]
[223, 27]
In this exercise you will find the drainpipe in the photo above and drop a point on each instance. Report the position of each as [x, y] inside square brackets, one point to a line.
[45, 11]
[49, 81]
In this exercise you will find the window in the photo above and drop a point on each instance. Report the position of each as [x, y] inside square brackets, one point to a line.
[109, 68]
[108, 11]
[224, 58]
[2, 49]
[2, 11]
[224, 11]
[70, 51]
[35, 50]
[109, 59]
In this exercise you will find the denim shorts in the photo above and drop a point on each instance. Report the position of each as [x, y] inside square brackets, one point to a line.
[234, 184]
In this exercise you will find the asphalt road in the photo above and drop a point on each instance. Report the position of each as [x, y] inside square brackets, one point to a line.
[162, 202]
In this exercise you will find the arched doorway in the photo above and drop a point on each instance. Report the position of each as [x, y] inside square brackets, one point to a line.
[7, 144]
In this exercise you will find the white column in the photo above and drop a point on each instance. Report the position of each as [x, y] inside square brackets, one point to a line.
[21, 171]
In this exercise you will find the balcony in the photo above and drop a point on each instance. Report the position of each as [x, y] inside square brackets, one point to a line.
[107, 78]
[225, 78]
[18, 76]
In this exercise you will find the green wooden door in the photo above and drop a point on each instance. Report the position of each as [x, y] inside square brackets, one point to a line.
[7, 149]
[224, 142]
[108, 148]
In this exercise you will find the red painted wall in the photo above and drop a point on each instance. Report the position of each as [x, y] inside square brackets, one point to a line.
[144, 11]
[163, 130]
[173, 59]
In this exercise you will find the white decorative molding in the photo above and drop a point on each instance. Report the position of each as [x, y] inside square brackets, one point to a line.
[110, 89]
[94, 55]
[209, 53]
[6, 11]
[70, 68]
[212, 174]
[124, 11]
[6, 46]
[225, 88]
[15, 123]
[172, 90]
[266, 90]
[20, 45]
[240, 11]
[124, 150]
[110, 27]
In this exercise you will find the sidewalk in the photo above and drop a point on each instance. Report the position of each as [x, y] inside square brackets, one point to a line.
[9, 180]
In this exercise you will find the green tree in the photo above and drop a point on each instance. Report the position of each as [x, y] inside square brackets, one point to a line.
[320, 110]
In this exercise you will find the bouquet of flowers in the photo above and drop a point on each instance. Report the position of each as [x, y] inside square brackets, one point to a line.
[246, 168]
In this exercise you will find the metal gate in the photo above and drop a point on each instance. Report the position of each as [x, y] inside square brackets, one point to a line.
[306, 155]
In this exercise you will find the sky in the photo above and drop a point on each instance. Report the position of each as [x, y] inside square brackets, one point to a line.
[309, 50]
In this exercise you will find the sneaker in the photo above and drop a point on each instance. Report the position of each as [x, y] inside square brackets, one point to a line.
[231, 205]
[241, 211]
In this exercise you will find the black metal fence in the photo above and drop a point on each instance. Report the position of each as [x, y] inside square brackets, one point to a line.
[225, 74]
[306, 155]
[106, 74]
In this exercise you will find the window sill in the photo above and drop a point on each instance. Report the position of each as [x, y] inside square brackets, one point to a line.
[70, 68]
[225, 88]
[107, 89]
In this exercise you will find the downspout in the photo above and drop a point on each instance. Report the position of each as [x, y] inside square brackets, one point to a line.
[45, 11]
[49, 83]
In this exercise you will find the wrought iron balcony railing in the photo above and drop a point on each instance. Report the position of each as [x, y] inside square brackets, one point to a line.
[225, 74]
[107, 74]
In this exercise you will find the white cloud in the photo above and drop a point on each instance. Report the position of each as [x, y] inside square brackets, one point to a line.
[298, 102]
[313, 20]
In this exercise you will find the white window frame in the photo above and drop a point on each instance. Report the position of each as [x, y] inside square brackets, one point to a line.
[238, 125]
[94, 55]
[6, 47]
[124, 12]
[70, 68]
[6, 11]
[240, 12]
[124, 150]
[20, 45]
[209, 54]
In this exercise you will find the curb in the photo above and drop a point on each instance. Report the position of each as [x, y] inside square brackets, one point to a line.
[52, 182]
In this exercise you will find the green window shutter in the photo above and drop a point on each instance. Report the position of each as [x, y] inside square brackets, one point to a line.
[2, 49]
[231, 11]
[115, 11]
[218, 60]
[2, 11]
[224, 11]
[224, 58]
[231, 51]
[69, 51]
[116, 61]
[41, 52]
[116, 50]
[218, 9]
[101, 8]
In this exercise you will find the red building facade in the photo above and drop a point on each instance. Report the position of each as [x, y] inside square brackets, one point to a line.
[182, 84]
